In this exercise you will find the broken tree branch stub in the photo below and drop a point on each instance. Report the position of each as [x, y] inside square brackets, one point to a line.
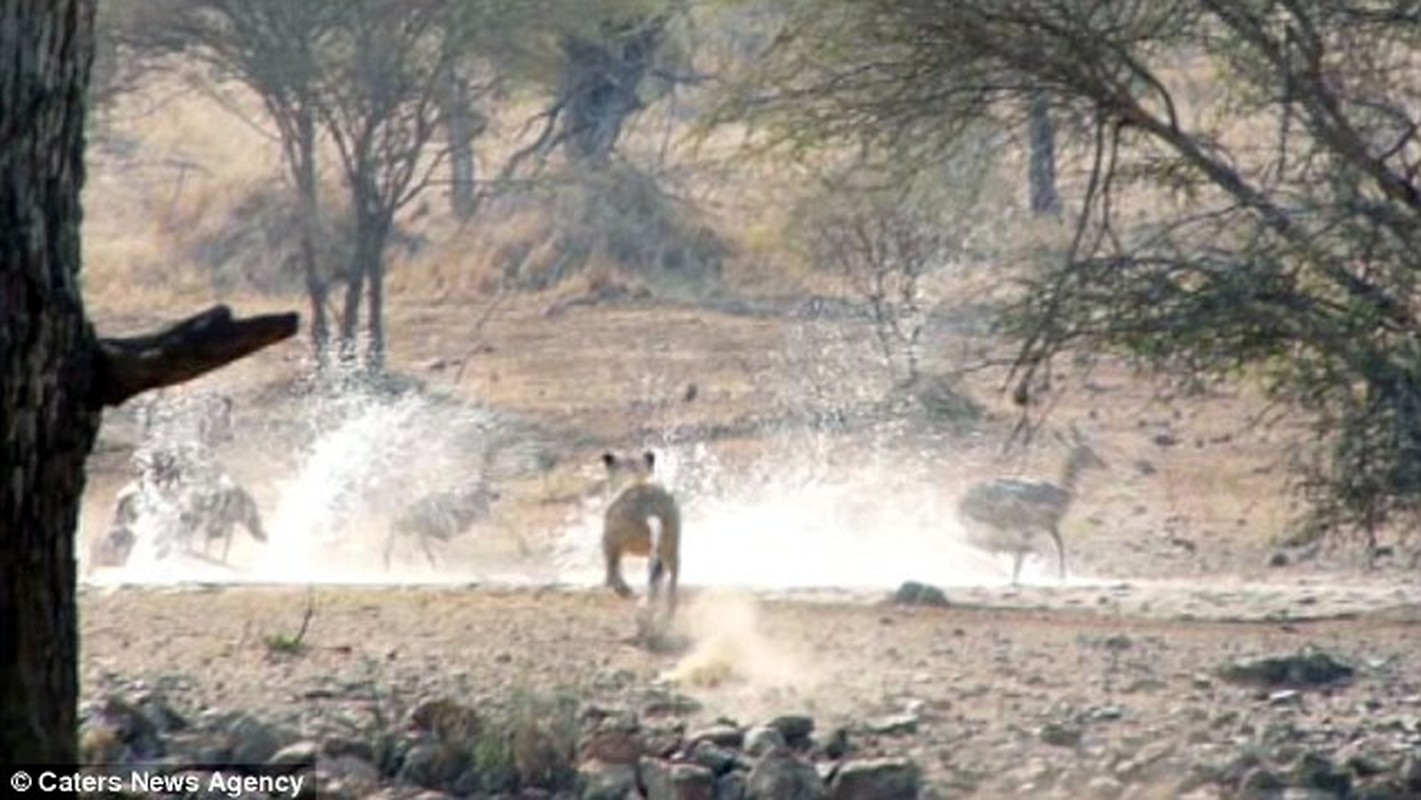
[131, 365]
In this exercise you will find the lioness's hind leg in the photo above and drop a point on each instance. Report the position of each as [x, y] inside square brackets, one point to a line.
[672, 578]
[656, 570]
[613, 555]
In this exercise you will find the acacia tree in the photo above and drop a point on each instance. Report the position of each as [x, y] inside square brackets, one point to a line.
[377, 79]
[272, 47]
[381, 85]
[1267, 227]
[56, 374]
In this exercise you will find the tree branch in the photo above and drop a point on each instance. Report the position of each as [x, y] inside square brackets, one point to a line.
[131, 365]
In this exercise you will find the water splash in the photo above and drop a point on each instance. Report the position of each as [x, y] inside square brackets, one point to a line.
[363, 451]
[371, 455]
[845, 493]
[830, 520]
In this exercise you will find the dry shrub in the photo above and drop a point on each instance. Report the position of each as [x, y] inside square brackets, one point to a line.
[619, 218]
[256, 243]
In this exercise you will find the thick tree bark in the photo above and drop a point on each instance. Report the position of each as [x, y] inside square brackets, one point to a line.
[48, 424]
[55, 374]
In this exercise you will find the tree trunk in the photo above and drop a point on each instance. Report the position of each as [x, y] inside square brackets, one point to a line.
[459, 124]
[309, 206]
[308, 203]
[354, 293]
[55, 375]
[45, 346]
[366, 272]
[375, 266]
[1045, 201]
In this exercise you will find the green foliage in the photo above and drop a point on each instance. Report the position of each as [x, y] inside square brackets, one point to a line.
[293, 644]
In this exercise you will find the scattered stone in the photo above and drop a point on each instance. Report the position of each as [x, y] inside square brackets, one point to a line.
[251, 741]
[731, 786]
[780, 775]
[1105, 714]
[876, 779]
[1313, 771]
[719, 760]
[432, 765]
[763, 739]
[837, 744]
[1300, 793]
[795, 728]
[1410, 771]
[664, 780]
[1260, 780]
[894, 725]
[345, 776]
[912, 593]
[300, 754]
[339, 746]
[1305, 670]
[673, 704]
[602, 781]
[1381, 790]
[663, 740]
[613, 745]
[1363, 765]
[1104, 787]
[720, 734]
[155, 707]
[1210, 741]
[1058, 734]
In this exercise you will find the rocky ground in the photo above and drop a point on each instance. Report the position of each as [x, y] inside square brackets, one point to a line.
[1223, 666]
[1299, 690]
